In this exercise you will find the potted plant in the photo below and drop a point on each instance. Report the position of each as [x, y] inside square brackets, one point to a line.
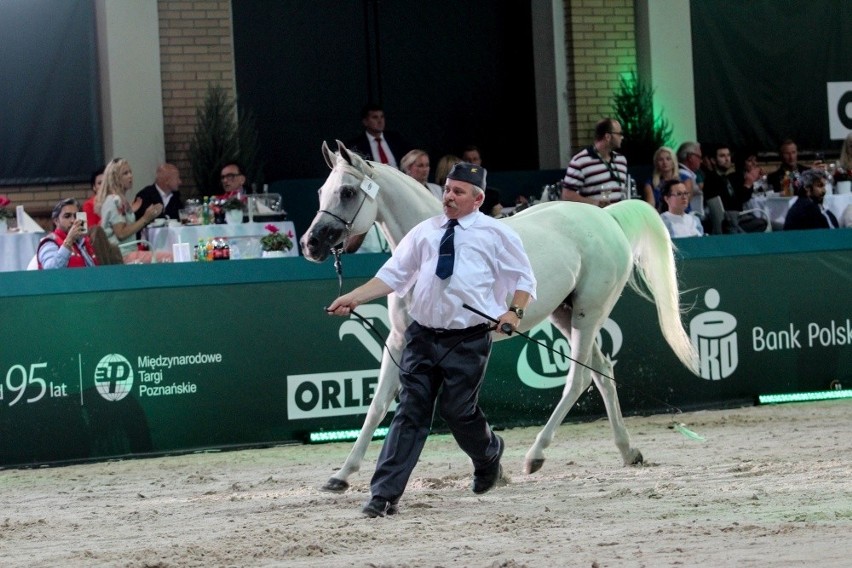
[233, 208]
[4, 213]
[222, 133]
[633, 107]
[275, 243]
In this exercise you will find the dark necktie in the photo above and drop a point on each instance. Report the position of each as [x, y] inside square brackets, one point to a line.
[447, 252]
[383, 158]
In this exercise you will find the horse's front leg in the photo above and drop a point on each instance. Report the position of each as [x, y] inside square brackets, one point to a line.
[386, 390]
[609, 393]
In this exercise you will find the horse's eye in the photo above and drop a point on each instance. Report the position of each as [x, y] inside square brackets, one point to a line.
[347, 193]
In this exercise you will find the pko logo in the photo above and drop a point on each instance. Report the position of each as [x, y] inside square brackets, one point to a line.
[545, 364]
[714, 336]
[839, 109]
[113, 377]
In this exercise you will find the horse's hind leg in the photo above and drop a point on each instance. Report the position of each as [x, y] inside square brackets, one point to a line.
[607, 387]
[578, 381]
[386, 390]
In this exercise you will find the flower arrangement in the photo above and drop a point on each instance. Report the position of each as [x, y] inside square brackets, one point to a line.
[841, 174]
[5, 213]
[232, 204]
[276, 240]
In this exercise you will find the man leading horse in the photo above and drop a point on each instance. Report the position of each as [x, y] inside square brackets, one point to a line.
[459, 257]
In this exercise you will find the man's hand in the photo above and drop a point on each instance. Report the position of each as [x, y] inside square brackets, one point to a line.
[510, 318]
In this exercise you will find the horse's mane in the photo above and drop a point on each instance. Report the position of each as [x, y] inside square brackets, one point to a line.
[400, 176]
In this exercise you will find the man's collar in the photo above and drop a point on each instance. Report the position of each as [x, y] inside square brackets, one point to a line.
[465, 221]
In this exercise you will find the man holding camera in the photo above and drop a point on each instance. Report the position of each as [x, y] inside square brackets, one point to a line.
[68, 246]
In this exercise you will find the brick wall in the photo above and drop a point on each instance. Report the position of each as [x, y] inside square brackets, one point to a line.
[196, 49]
[601, 46]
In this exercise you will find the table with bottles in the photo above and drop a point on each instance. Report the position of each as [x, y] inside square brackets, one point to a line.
[242, 239]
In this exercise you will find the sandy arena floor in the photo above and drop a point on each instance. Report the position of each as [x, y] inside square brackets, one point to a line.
[770, 486]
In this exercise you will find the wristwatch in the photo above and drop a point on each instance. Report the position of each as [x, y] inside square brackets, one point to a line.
[518, 311]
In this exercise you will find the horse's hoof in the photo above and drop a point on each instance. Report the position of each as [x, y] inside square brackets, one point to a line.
[638, 459]
[532, 466]
[334, 485]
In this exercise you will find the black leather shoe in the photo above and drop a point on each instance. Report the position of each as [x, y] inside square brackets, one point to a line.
[485, 478]
[379, 507]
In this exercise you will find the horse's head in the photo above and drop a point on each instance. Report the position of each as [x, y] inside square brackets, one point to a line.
[347, 210]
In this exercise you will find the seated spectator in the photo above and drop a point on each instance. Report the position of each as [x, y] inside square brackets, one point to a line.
[844, 161]
[778, 180]
[665, 169]
[492, 203]
[733, 189]
[416, 164]
[68, 246]
[807, 212]
[677, 220]
[92, 218]
[165, 190]
[445, 164]
[233, 181]
[118, 216]
[471, 155]
[689, 159]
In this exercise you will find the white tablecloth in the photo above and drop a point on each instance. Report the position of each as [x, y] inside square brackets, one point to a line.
[243, 237]
[777, 206]
[17, 249]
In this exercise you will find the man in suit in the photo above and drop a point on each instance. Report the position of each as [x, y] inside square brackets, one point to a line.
[807, 212]
[165, 190]
[376, 143]
[789, 153]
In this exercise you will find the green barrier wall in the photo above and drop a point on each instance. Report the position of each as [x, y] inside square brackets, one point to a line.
[133, 360]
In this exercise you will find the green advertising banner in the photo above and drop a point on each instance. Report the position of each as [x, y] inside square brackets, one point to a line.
[133, 360]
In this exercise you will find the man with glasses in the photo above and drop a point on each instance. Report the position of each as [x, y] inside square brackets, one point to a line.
[689, 158]
[233, 180]
[598, 174]
[68, 246]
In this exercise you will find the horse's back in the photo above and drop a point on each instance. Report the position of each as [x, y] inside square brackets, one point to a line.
[574, 248]
[567, 227]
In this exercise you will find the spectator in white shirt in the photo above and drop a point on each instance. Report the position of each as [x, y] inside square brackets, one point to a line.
[677, 220]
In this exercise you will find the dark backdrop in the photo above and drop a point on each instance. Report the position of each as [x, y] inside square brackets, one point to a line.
[50, 128]
[761, 69]
[448, 73]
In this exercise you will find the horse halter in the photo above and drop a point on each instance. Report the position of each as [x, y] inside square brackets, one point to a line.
[347, 225]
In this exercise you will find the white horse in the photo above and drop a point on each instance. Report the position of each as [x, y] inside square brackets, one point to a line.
[582, 257]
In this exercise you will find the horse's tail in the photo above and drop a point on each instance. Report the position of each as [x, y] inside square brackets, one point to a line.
[655, 274]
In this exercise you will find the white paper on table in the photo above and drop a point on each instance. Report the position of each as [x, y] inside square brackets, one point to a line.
[26, 224]
[263, 209]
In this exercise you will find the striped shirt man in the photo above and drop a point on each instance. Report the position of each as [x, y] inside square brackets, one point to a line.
[595, 178]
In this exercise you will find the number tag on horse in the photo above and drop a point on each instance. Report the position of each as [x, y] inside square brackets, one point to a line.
[370, 187]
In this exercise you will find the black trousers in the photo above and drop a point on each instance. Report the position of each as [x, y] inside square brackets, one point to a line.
[447, 368]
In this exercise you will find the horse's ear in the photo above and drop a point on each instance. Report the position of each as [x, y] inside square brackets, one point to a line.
[341, 148]
[328, 155]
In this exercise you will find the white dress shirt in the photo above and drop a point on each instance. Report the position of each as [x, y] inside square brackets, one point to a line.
[490, 265]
